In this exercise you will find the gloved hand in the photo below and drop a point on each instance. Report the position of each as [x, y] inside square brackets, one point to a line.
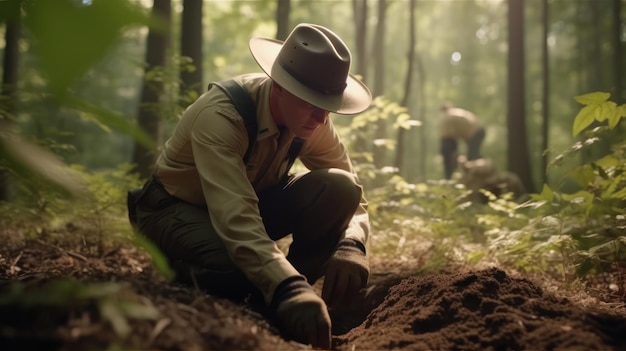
[301, 314]
[346, 274]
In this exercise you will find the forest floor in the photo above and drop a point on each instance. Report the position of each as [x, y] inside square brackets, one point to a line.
[130, 307]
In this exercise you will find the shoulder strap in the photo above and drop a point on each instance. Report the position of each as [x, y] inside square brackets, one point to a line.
[244, 105]
[246, 108]
[292, 153]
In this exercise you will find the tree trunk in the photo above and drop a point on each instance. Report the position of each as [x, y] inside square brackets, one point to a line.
[545, 94]
[517, 154]
[359, 9]
[8, 91]
[423, 130]
[283, 9]
[619, 95]
[379, 50]
[378, 88]
[191, 46]
[148, 119]
[408, 91]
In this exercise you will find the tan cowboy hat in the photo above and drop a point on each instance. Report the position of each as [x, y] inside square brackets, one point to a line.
[313, 63]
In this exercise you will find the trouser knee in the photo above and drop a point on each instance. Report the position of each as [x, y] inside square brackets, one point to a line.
[329, 201]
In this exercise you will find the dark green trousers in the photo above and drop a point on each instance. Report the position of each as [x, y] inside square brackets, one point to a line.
[315, 207]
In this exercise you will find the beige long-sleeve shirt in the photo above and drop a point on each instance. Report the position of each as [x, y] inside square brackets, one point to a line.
[458, 123]
[202, 164]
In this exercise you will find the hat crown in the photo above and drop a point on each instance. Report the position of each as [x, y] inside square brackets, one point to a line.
[313, 63]
[317, 58]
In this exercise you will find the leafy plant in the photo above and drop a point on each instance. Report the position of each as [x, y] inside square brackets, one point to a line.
[100, 212]
[42, 305]
[51, 40]
[432, 223]
[583, 230]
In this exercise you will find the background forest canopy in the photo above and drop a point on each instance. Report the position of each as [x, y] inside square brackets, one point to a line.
[81, 93]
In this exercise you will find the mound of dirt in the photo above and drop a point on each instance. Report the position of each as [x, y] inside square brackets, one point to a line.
[401, 309]
[482, 310]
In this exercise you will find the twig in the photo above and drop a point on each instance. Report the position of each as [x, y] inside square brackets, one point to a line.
[17, 259]
[13, 269]
[158, 328]
[76, 255]
[67, 252]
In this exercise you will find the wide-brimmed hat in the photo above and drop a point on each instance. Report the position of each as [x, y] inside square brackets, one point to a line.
[313, 63]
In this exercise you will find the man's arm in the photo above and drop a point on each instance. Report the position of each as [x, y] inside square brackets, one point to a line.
[219, 140]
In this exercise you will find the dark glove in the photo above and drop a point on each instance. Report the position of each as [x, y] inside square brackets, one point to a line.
[301, 314]
[347, 273]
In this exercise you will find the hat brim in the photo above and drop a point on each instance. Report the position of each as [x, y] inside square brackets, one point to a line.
[355, 98]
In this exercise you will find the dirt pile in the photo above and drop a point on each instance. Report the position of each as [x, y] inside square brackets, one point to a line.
[402, 309]
[481, 310]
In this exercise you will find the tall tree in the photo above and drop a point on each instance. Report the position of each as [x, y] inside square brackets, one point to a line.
[156, 57]
[545, 93]
[359, 10]
[619, 95]
[595, 49]
[518, 160]
[8, 90]
[283, 9]
[378, 49]
[408, 91]
[379, 79]
[191, 46]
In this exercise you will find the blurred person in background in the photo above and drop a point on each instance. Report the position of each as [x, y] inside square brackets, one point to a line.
[459, 124]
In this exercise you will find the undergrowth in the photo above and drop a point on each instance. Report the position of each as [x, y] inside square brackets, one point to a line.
[572, 235]
[569, 234]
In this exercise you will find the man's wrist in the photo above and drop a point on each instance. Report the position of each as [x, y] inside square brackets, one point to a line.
[287, 289]
[352, 243]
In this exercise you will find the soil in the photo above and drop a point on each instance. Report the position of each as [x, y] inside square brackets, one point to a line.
[130, 307]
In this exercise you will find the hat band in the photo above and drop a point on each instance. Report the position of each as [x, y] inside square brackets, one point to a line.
[313, 84]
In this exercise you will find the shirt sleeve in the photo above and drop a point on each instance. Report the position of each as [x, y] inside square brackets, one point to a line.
[219, 140]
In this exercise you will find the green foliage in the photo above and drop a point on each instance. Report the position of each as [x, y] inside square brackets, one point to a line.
[45, 207]
[64, 52]
[362, 138]
[100, 212]
[433, 224]
[114, 302]
[538, 246]
[581, 230]
[64, 48]
[104, 211]
[597, 108]
[34, 164]
[567, 233]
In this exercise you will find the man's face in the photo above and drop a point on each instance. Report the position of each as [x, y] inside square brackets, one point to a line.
[299, 116]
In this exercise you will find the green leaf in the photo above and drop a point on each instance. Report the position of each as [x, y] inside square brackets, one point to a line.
[584, 118]
[111, 119]
[616, 116]
[546, 193]
[69, 38]
[609, 161]
[28, 160]
[593, 98]
[158, 259]
[9, 10]
[619, 194]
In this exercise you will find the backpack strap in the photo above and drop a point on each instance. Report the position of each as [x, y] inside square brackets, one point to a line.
[246, 108]
[244, 105]
[292, 153]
